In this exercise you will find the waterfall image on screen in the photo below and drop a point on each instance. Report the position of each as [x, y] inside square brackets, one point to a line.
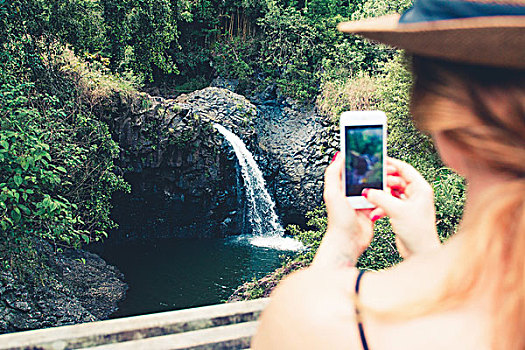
[364, 158]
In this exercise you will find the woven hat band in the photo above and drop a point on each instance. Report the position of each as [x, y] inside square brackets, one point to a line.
[437, 10]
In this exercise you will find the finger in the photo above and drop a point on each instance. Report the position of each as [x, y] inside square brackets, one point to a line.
[398, 193]
[377, 214]
[405, 170]
[391, 170]
[419, 189]
[384, 200]
[333, 183]
[335, 156]
[365, 211]
[395, 182]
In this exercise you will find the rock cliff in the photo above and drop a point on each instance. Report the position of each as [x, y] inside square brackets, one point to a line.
[184, 175]
[79, 287]
[296, 145]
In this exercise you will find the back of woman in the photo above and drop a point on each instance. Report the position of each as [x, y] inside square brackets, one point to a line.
[469, 293]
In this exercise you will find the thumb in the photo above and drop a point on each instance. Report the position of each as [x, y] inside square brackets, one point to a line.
[333, 186]
[383, 200]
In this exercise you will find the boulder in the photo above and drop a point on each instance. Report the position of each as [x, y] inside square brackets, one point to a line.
[79, 287]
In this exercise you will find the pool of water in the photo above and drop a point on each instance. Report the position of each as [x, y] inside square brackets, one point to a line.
[175, 274]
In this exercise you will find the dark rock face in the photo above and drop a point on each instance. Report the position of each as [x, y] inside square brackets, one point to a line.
[184, 175]
[291, 143]
[295, 142]
[81, 288]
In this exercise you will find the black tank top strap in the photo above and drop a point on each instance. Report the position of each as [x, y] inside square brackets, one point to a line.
[357, 314]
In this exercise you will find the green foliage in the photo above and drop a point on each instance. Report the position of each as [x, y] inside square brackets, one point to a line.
[289, 50]
[26, 198]
[381, 253]
[380, 7]
[356, 93]
[232, 58]
[153, 30]
[328, 8]
[405, 142]
[256, 290]
[134, 34]
[449, 193]
[292, 43]
[59, 189]
[56, 157]
[118, 33]
[300, 46]
[78, 22]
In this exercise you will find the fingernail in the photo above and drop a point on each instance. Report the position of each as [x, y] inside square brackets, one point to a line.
[375, 218]
[335, 156]
[364, 193]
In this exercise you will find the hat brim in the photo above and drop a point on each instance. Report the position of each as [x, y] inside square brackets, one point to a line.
[493, 41]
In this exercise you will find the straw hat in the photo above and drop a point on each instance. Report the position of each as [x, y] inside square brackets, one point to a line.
[479, 32]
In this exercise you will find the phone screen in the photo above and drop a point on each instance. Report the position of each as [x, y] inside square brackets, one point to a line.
[364, 158]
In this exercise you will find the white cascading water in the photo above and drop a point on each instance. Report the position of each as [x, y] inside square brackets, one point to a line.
[267, 231]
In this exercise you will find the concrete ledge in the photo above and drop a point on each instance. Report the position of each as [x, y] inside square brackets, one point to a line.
[132, 329]
[235, 336]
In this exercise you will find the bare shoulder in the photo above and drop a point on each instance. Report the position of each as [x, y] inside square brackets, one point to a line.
[310, 309]
[314, 309]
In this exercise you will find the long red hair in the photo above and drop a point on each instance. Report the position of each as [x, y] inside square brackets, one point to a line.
[492, 133]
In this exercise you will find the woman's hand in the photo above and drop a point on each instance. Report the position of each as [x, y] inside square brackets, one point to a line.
[349, 232]
[410, 207]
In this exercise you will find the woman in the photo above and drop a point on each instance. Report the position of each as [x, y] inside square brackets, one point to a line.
[469, 293]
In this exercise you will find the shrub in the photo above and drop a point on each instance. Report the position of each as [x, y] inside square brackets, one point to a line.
[375, 8]
[153, 30]
[351, 94]
[78, 22]
[58, 161]
[93, 80]
[233, 57]
[290, 50]
[56, 157]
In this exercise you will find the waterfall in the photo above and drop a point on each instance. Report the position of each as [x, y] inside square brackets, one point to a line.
[261, 208]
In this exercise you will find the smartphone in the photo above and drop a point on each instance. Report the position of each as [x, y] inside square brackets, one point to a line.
[363, 144]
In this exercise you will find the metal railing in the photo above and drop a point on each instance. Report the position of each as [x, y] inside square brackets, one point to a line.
[223, 326]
